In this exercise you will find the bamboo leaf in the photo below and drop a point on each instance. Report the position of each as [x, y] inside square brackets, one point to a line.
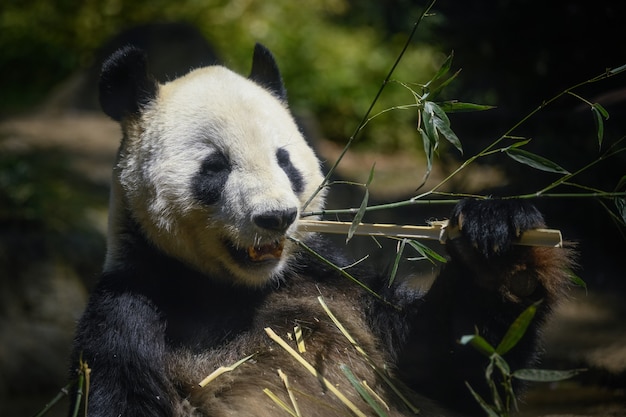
[435, 91]
[534, 160]
[517, 330]
[501, 364]
[443, 70]
[486, 407]
[396, 263]
[545, 375]
[520, 143]
[458, 107]
[442, 124]
[427, 252]
[599, 122]
[576, 280]
[428, 117]
[617, 70]
[362, 391]
[359, 215]
[428, 150]
[603, 112]
[620, 204]
[479, 343]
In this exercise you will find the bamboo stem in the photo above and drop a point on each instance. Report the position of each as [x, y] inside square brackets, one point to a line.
[437, 231]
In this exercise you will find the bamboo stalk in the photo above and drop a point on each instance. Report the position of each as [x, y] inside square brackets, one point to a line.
[437, 231]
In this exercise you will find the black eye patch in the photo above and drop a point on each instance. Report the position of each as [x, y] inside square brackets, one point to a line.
[208, 183]
[297, 182]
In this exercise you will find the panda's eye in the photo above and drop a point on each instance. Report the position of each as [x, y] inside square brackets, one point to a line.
[295, 177]
[208, 184]
[215, 163]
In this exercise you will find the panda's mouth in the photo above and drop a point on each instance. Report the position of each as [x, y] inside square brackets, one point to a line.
[267, 252]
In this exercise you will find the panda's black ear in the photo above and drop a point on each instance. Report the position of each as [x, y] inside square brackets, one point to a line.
[125, 85]
[265, 72]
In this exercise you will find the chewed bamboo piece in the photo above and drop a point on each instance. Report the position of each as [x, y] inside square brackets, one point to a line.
[436, 231]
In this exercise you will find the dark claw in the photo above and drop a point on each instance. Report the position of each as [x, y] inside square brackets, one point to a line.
[492, 225]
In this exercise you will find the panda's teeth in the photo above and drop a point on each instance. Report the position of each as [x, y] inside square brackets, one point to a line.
[269, 251]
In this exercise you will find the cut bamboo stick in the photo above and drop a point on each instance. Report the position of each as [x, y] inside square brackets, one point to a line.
[437, 231]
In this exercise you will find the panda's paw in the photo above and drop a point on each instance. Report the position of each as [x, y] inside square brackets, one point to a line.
[491, 226]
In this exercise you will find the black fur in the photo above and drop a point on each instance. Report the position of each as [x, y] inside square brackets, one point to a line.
[125, 85]
[284, 161]
[265, 72]
[209, 182]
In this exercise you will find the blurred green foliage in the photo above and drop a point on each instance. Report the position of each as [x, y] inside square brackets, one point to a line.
[334, 54]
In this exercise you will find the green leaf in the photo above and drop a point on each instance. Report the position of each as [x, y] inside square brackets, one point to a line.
[501, 364]
[442, 123]
[620, 205]
[520, 143]
[621, 184]
[534, 160]
[359, 215]
[396, 263]
[545, 375]
[603, 112]
[486, 407]
[428, 116]
[443, 70]
[427, 252]
[576, 280]
[598, 119]
[479, 343]
[432, 94]
[428, 149]
[362, 391]
[517, 330]
[617, 70]
[458, 107]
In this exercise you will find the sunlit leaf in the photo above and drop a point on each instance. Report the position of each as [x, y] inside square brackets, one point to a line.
[479, 343]
[427, 252]
[517, 330]
[442, 124]
[458, 106]
[545, 375]
[396, 263]
[534, 160]
[428, 116]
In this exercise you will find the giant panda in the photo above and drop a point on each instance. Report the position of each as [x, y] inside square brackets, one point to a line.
[205, 251]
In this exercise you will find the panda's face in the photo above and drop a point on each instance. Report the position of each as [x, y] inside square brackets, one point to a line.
[216, 172]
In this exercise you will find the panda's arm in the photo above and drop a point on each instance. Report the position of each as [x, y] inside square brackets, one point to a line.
[487, 283]
[121, 339]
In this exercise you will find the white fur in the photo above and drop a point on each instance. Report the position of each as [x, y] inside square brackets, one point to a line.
[210, 110]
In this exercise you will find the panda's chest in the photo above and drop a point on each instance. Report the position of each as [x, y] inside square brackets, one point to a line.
[208, 316]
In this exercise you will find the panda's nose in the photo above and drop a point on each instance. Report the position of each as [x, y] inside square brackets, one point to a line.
[275, 220]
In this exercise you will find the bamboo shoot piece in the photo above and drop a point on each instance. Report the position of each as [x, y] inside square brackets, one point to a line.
[436, 231]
